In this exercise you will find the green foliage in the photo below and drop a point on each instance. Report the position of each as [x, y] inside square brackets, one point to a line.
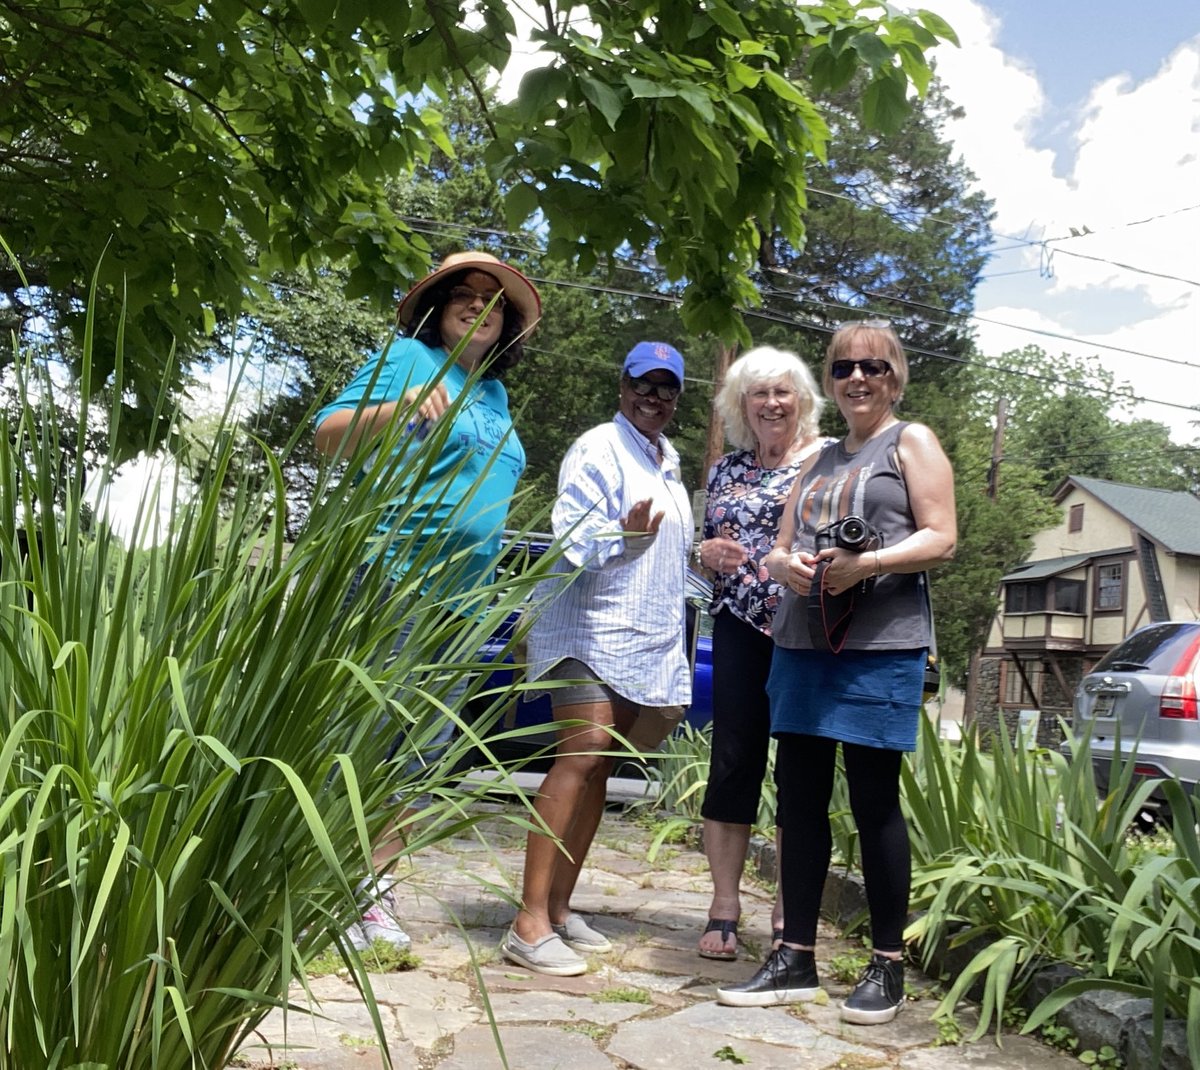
[876, 237]
[198, 147]
[207, 147]
[628, 138]
[193, 747]
[848, 966]
[1012, 853]
[380, 957]
[727, 1054]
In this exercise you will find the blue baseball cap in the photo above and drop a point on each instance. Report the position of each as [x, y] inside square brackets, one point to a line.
[647, 356]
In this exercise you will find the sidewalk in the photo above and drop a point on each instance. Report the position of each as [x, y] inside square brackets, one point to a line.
[647, 1004]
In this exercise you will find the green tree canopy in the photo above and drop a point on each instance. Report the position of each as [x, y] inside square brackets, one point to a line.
[193, 150]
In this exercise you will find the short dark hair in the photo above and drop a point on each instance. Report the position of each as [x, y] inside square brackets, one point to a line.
[426, 325]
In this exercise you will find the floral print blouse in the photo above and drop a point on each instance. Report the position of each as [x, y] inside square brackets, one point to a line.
[745, 502]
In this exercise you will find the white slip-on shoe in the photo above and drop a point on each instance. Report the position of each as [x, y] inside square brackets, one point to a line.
[579, 936]
[549, 955]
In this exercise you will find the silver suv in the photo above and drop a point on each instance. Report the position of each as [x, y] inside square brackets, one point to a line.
[1144, 691]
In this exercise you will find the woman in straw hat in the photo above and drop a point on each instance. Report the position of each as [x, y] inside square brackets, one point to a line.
[478, 310]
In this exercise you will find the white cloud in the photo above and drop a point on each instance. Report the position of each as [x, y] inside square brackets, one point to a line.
[1131, 153]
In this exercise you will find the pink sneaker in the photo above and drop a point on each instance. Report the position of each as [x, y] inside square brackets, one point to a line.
[379, 921]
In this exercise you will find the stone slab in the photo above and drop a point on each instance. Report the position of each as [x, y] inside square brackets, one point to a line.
[526, 1048]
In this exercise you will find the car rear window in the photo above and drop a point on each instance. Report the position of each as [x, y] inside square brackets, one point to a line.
[1158, 647]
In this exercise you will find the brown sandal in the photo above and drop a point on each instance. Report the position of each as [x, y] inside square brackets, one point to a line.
[727, 927]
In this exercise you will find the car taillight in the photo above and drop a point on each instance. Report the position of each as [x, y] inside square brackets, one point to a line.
[1179, 690]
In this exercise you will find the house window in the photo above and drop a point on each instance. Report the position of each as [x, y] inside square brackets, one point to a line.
[1075, 518]
[1015, 693]
[1025, 598]
[1068, 596]
[1110, 586]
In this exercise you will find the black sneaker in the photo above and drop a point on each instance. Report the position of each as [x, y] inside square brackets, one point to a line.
[878, 995]
[788, 976]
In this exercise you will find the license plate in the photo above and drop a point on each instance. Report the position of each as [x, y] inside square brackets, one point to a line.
[1104, 705]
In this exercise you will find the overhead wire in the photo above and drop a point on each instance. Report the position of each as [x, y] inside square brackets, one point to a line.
[770, 316]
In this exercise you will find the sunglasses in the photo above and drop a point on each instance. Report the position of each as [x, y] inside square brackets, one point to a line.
[464, 295]
[872, 368]
[644, 388]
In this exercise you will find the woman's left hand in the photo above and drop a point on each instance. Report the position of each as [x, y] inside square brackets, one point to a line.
[846, 569]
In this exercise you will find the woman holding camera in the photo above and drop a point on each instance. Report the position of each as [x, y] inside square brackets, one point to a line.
[865, 520]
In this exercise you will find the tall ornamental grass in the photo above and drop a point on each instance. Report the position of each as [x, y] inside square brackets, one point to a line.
[193, 740]
[1016, 857]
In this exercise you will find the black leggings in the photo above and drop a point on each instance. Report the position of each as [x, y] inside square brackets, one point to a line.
[804, 770]
[741, 720]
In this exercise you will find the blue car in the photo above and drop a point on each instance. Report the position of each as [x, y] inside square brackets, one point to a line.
[533, 748]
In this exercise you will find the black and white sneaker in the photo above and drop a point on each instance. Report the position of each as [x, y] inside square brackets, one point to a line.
[878, 995]
[788, 976]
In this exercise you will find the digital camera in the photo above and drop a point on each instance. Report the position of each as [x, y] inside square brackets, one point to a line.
[850, 533]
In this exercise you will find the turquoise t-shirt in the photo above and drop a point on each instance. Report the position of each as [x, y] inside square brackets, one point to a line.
[474, 509]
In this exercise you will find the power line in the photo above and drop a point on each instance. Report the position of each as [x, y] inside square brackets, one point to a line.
[826, 329]
[879, 295]
[870, 293]
[1043, 243]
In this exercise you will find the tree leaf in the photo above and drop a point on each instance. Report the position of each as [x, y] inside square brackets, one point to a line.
[541, 89]
[885, 104]
[520, 203]
[602, 97]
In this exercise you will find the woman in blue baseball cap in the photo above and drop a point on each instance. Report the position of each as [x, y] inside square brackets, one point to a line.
[610, 633]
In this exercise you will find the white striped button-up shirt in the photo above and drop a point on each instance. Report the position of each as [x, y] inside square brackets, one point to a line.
[623, 615]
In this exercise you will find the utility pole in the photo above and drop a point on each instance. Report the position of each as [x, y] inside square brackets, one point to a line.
[993, 490]
[715, 446]
[716, 426]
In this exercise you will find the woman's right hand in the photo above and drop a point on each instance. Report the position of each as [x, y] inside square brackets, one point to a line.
[639, 521]
[720, 554]
[436, 402]
[794, 570]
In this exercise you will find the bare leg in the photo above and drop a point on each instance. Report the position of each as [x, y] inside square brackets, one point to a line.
[571, 802]
[577, 843]
[725, 846]
[390, 843]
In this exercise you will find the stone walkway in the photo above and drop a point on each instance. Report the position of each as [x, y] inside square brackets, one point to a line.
[647, 1004]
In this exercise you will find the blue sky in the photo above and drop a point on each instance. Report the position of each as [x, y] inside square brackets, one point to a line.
[1071, 43]
[1088, 115]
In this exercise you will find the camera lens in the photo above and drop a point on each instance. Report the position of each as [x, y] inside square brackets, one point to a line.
[853, 531]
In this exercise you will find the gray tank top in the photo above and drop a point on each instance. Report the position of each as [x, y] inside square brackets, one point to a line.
[894, 613]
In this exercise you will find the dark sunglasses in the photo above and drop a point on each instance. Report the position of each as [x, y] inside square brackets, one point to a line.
[644, 388]
[871, 368]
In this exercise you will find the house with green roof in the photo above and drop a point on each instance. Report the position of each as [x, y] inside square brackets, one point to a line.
[1121, 556]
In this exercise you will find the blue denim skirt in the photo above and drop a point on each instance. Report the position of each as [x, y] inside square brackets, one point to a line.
[868, 697]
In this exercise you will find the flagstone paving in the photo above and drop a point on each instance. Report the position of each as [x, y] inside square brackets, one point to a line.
[648, 1004]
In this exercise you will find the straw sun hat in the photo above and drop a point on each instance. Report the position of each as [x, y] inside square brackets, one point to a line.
[517, 288]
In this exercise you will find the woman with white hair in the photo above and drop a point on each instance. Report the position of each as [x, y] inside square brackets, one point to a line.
[771, 408]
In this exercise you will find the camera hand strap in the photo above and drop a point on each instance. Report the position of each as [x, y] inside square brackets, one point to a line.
[829, 615]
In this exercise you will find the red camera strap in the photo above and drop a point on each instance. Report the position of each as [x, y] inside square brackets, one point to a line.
[829, 615]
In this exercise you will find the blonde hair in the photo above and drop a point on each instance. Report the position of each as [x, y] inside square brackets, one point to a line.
[765, 364]
[884, 346]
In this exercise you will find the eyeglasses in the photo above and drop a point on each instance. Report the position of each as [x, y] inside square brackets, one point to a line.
[782, 393]
[464, 295]
[871, 368]
[644, 388]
